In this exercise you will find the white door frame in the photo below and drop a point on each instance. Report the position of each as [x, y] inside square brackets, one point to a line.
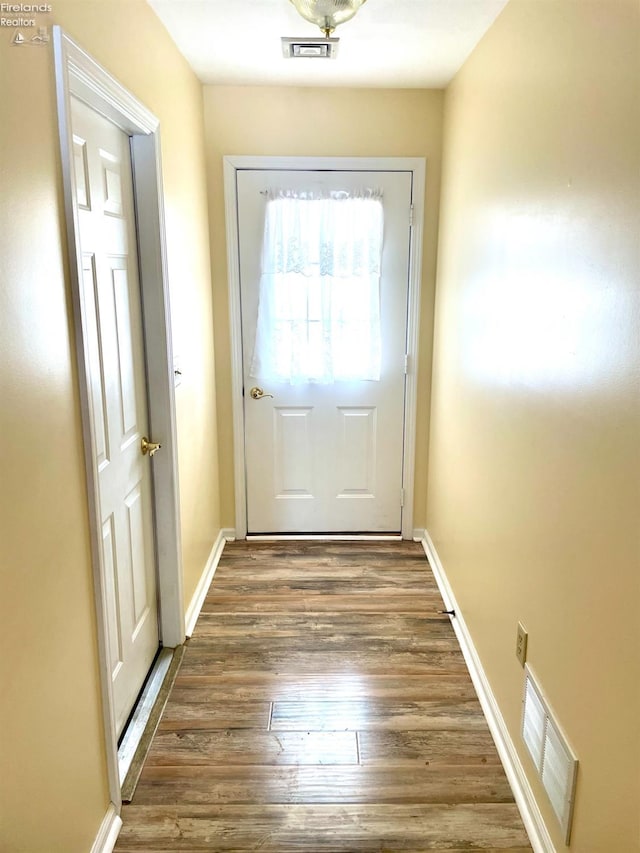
[79, 75]
[416, 165]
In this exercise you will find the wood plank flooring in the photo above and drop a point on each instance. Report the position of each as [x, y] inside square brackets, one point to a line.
[323, 705]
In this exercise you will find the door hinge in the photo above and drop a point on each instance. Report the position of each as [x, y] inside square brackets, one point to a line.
[406, 364]
[401, 498]
[411, 216]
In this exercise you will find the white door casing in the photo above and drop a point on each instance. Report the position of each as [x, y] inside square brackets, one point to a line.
[233, 166]
[327, 458]
[104, 194]
[78, 74]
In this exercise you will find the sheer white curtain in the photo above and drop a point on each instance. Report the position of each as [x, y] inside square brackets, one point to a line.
[319, 307]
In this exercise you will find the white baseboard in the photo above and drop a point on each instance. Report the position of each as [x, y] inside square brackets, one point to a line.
[195, 605]
[524, 797]
[108, 832]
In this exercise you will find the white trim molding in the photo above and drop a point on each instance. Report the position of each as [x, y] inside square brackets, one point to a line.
[78, 75]
[198, 597]
[417, 167]
[108, 833]
[524, 797]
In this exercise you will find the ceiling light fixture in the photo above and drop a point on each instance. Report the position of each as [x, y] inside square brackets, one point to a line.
[327, 14]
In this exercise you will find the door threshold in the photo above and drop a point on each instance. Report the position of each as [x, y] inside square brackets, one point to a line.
[332, 537]
[144, 720]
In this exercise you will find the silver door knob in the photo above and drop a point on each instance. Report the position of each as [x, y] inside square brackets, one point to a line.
[258, 393]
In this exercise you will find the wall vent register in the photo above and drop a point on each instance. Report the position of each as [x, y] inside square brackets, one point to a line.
[554, 759]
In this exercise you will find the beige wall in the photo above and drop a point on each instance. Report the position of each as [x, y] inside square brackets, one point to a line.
[534, 474]
[53, 783]
[319, 122]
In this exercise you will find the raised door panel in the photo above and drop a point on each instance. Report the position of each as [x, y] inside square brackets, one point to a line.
[137, 557]
[112, 599]
[96, 361]
[357, 450]
[111, 168]
[82, 173]
[293, 457]
[124, 338]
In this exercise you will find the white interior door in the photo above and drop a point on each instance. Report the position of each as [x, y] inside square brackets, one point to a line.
[104, 193]
[326, 458]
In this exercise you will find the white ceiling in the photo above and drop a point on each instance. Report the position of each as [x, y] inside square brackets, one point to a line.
[389, 43]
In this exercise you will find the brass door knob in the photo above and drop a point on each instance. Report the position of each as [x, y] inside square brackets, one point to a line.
[258, 393]
[149, 447]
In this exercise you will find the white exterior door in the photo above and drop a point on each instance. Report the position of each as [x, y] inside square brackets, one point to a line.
[326, 458]
[104, 193]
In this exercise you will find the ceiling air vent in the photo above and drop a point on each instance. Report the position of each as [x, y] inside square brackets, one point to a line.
[309, 48]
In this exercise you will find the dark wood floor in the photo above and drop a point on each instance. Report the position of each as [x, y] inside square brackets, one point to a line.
[323, 705]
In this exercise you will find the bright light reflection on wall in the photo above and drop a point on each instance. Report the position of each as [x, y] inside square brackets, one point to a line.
[541, 317]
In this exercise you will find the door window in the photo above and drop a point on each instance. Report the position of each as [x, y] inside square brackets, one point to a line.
[319, 303]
